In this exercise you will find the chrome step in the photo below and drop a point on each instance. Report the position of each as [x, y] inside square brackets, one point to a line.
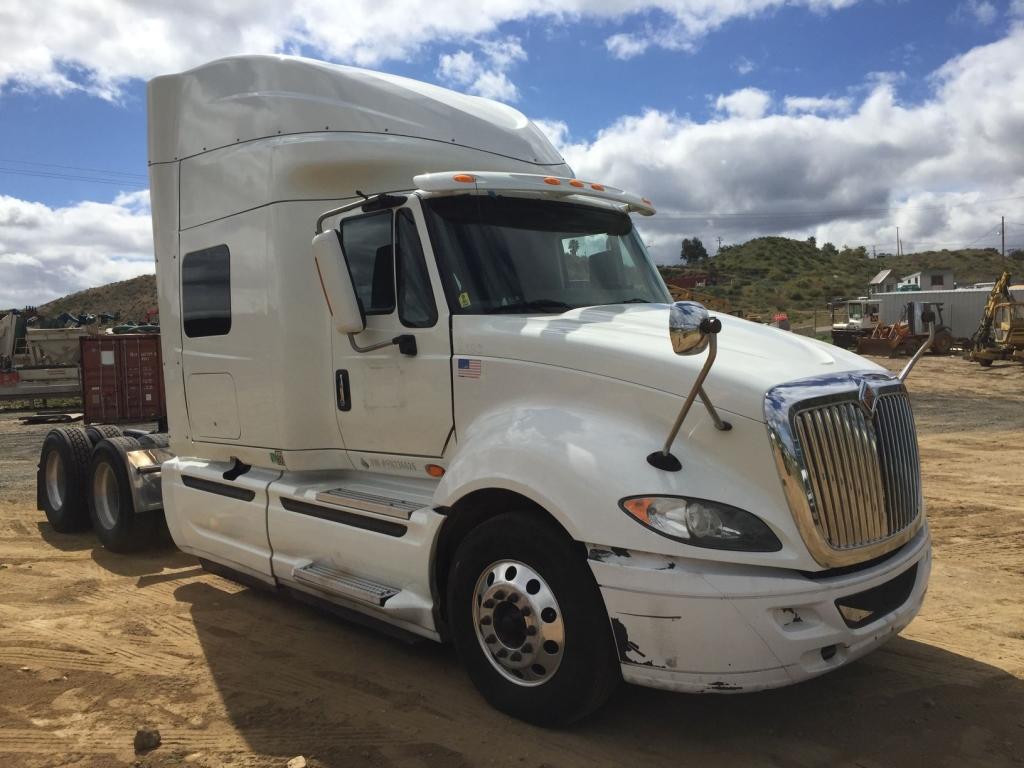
[369, 502]
[345, 584]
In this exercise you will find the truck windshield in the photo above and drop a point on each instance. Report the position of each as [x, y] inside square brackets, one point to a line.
[517, 255]
[855, 311]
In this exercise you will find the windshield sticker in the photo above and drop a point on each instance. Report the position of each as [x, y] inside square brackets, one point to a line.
[469, 368]
[464, 300]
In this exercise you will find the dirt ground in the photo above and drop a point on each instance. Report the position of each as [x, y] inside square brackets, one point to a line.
[95, 645]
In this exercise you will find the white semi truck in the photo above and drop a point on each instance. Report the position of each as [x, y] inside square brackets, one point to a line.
[465, 410]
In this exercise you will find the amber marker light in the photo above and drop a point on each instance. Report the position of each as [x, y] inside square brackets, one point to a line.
[598, 187]
[435, 470]
[552, 181]
[465, 178]
[576, 183]
[638, 508]
[645, 200]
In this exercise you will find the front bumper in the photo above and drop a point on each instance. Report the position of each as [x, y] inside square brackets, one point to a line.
[696, 626]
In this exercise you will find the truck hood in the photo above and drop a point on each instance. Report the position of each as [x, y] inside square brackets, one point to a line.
[631, 343]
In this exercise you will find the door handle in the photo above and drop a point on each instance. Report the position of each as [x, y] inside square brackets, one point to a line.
[342, 389]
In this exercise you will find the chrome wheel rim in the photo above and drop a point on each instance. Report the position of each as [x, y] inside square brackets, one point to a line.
[56, 480]
[518, 623]
[105, 496]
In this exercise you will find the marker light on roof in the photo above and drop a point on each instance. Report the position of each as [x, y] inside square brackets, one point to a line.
[497, 182]
[645, 200]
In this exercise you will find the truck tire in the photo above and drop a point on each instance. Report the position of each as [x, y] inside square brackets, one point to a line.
[529, 622]
[154, 440]
[984, 363]
[62, 479]
[98, 432]
[119, 527]
[942, 343]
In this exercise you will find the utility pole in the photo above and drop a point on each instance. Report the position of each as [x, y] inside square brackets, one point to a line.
[898, 242]
[719, 244]
[1002, 234]
[873, 254]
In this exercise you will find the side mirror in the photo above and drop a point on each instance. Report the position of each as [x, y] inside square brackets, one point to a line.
[692, 330]
[332, 270]
[690, 327]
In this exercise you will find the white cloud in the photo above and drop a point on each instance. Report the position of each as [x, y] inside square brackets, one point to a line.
[818, 104]
[625, 46]
[557, 131]
[486, 76]
[49, 252]
[745, 104]
[981, 11]
[744, 66]
[97, 45]
[690, 20]
[846, 176]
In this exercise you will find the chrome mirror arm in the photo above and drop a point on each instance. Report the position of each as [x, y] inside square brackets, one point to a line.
[663, 459]
[920, 351]
[720, 424]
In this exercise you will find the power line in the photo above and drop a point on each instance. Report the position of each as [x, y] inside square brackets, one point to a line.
[125, 183]
[735, 215]
[101, 171]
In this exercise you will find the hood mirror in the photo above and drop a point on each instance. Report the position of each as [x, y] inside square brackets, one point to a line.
[687, 322]
[691, 330]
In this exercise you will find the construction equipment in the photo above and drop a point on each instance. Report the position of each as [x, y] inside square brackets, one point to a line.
[1000, 336]
[906, 336]
[708, 300]
[862, 318]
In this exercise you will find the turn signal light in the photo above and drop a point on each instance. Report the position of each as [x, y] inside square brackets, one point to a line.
[598, 187]
[465, 178]
[576, 183]
[435, 470]
[552, 181]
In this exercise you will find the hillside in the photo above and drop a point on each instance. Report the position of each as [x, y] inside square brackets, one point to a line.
[131, 298]
[770, 273]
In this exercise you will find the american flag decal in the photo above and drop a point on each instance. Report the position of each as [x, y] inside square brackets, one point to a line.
[469, 368]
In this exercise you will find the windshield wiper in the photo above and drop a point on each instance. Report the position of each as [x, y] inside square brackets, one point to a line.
[537, 305]
[631, 301]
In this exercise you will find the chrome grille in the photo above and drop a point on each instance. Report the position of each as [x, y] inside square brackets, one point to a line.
[862, 469]
[846, 451]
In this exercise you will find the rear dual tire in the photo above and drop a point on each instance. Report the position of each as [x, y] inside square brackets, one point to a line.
[63, 478]
[111, 502]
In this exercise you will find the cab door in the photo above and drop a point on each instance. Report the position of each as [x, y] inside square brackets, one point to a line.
[389, 402]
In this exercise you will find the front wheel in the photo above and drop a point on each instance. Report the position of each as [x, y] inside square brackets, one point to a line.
[529, 622]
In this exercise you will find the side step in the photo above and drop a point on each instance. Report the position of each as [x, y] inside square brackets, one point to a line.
[337, 582]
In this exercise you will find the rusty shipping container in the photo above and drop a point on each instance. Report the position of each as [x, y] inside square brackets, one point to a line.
[122, 379]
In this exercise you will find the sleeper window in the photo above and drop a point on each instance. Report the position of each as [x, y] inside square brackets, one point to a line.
[416, 307]
[206, 292]
[366, 241]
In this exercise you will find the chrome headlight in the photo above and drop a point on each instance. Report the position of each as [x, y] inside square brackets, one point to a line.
[702, 523]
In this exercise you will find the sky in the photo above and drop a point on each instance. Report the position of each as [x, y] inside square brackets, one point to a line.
[838, 119]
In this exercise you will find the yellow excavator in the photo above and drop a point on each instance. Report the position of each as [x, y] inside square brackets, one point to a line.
[1000, 336]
